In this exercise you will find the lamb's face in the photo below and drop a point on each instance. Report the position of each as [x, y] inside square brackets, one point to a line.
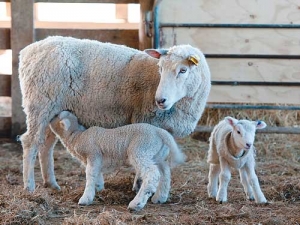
[176, 68]
[244, 131]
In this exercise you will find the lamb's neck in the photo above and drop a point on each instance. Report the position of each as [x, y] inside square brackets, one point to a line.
[69, 140]
[233, 149]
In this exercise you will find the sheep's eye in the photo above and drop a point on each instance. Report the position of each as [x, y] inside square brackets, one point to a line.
[182, 70]
[238, 132]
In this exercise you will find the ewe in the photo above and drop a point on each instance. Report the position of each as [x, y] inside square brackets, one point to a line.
[141, 145]
[231, 145]
[109, 86]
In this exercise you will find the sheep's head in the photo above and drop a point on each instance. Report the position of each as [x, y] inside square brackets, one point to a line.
[65, 123]
[243, 132]
[179, 68]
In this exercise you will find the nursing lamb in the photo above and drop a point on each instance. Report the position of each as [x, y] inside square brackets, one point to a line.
[141, 145]
[109, 86]
[231, 145]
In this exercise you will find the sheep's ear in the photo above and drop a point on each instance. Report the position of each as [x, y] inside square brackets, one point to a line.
[259, 124]
[65, 124]
[231, 121]
[194, 59]
[156, 53]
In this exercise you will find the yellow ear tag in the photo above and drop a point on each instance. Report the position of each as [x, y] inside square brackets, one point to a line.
[194, 59]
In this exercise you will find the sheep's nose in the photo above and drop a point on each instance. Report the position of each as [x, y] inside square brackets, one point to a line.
[248, 145]
[161, 101]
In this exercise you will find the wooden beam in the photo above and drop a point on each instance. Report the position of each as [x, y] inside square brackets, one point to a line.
[254, 94]
[91, 1]
[230, 11]
[22, 34]
[146, 7]
[247, 69]
[5, 126]
[5, 38]
[124, 37]
[269, 41]
[5, 85]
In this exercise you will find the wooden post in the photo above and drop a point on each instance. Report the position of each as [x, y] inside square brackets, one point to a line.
[144, 41]
[22, 34]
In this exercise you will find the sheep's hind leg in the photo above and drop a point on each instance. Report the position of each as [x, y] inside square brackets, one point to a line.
[151, 177]
[162, 193]
[29, 156]
[213, 177]
[47, 161]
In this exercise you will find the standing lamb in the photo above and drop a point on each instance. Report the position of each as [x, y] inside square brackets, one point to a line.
[231, 145]
[142, 145]
[109, 86]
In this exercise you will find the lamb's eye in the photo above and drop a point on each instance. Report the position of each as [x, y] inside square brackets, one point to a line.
[238, 132]
[182, 70]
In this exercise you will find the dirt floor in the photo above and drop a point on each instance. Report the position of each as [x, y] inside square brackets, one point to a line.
[278, 169]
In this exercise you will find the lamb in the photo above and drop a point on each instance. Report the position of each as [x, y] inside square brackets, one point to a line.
[231, 145]
[109, 86]
[142, 145]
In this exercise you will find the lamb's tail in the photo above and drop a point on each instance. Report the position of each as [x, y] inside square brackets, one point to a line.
[176, 156]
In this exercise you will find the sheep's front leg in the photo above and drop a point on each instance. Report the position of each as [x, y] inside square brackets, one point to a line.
[224, 179]
[162, 193]
[213, 177]
[150, 176]
[247, 187]
[47, 161]
[92, 174]
[253, 180]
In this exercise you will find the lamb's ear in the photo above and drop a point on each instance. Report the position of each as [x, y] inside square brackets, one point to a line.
[231, 121]
[260, 124]
[195, 59]
[65, 124]
[156, 53]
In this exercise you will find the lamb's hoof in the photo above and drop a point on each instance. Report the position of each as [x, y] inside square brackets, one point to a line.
[135, 207]
[251, 199]
[29, 189]
[84, 201]
[55, 186]
[159, 199]
[221, 202]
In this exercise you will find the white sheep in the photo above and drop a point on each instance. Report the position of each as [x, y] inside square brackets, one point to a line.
[109, 86]
[231, 145]
[143, 146]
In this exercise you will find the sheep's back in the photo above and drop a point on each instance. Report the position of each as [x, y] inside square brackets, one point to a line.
[101, 83]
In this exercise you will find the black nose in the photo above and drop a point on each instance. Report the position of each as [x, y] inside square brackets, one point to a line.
[248, 145]
[161, 101]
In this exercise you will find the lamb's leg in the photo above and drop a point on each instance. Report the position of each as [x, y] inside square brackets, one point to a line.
[253, 180]
[213, 177]
[162, 193]
[150, 176]
[247, 187]
[224, 179]
[92, 175]
[100, 182]
[46, 160]
[137, 183]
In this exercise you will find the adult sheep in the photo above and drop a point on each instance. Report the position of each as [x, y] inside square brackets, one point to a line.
[106, 85]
